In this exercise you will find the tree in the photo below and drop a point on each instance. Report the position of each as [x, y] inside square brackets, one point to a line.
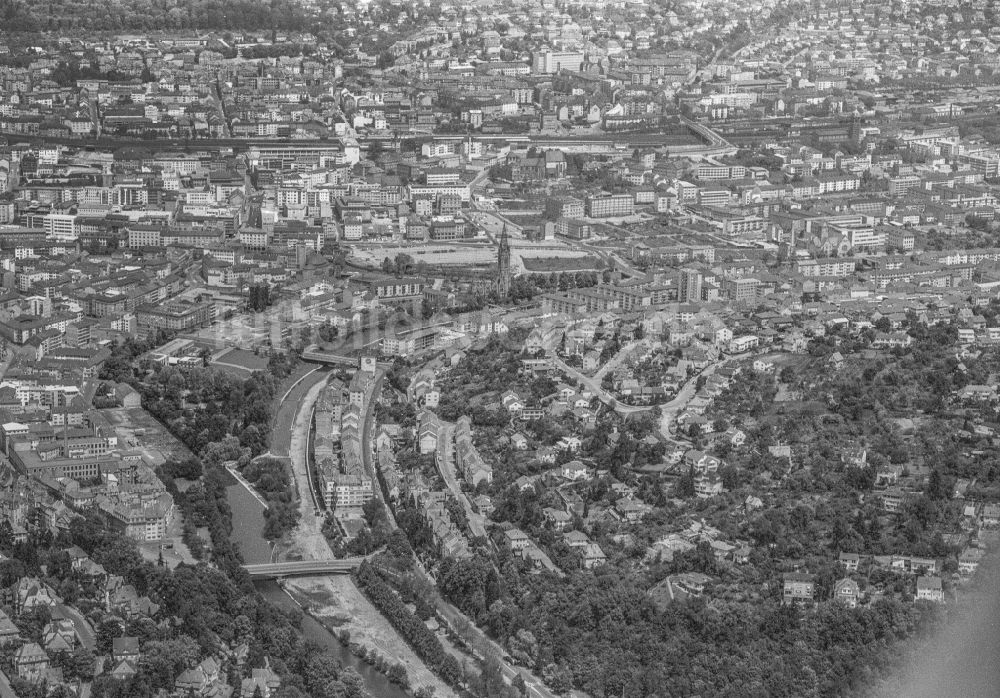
[6, 535]
[353, 683]
[259, 297]
[558, 678]
[107, 631]
[937, 488]
[403, 263]
[684, 486]
[397, 675]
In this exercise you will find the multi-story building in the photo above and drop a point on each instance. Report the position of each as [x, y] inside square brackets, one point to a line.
[689, 286]
[900, 239]
[829, 266]
[744, 289]
[902, 184]
[573, 228]
[342, 491]
[434, 191]
[546, 62]
[145, 521]
[397, 290]
[144, 235]
[708, 171]
[60, 226]
[177, 316]
[610, 205]
[563, 207]
[592, 300]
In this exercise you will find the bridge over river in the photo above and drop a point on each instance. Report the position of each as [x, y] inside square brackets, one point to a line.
[302, 568]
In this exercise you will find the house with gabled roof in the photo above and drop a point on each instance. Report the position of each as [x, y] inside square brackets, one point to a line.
[517, 539]
[557, 517]
[31, 662]
[846, 591]
[123, 670]
[9, 633]
[31, 592]
[850, 561]
[125, 648]
[930, 589]
[263, 680]
[59, 636]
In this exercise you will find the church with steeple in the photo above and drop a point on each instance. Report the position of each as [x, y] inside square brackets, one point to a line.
[503, 265]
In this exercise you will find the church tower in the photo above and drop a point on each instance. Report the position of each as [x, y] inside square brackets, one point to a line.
[503, 265]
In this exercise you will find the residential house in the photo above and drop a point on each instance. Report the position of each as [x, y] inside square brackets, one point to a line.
[930, 589]
[574, 470]
[850, 561]
[991, 515]
[558, 518]
[263, 681]
[428, 432]
[31, 663]
[968, 561]
[847, 592]
[630, 510]
[798, 588]
[517, 539]
[9, 633]
[30, 593]
[125, 648]
[59, 635]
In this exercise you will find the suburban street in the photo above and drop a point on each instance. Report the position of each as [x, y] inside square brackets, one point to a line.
[371, 397]
[670, 410]
[595, 387]
[446, 465]
[450, 613]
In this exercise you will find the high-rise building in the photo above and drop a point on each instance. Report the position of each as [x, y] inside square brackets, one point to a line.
[689, 289]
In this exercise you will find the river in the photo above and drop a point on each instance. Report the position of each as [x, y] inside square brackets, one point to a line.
[248, 523]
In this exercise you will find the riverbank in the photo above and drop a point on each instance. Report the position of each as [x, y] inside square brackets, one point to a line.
[307, 541]
[335, 601]
[339, 605]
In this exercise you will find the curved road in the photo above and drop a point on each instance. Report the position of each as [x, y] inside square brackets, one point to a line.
[670, 410]
[595, 387]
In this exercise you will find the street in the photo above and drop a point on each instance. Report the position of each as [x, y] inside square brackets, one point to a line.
[446, 465]
[595, 387]
[670, 410]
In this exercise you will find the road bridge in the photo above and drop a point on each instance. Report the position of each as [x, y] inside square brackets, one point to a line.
[328, 357]
[302, 568]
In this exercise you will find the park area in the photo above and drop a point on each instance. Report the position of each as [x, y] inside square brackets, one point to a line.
[239, 362]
